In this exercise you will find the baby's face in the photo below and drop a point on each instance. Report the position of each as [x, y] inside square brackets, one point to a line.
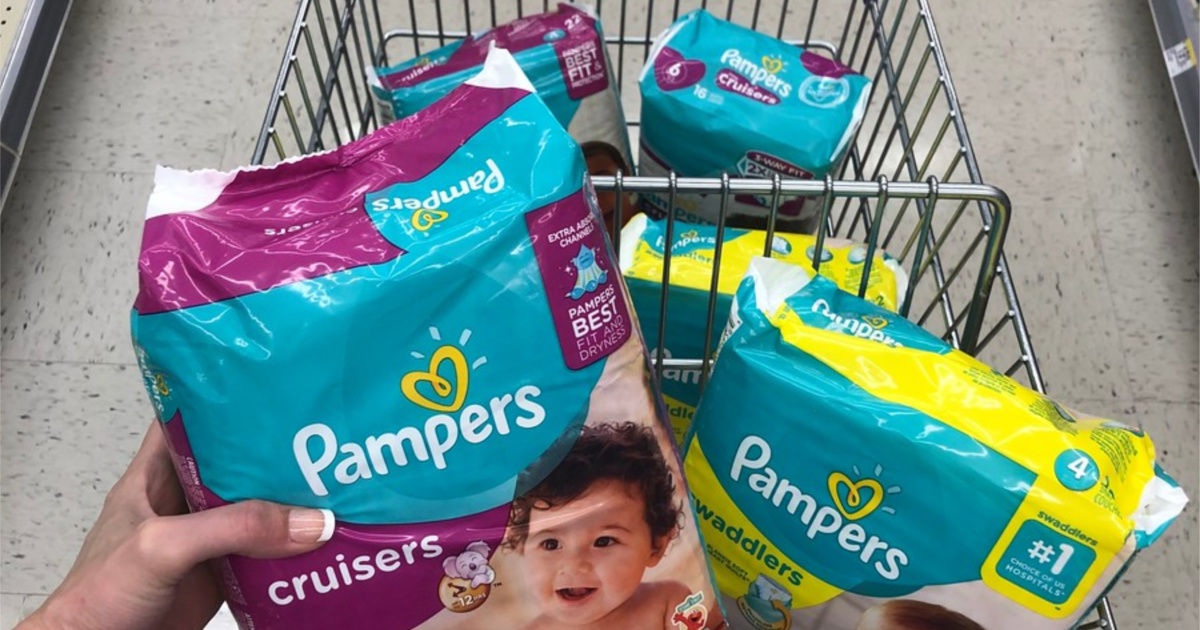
[587, 557]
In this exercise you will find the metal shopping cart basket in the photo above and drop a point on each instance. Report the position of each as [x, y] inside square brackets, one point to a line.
[911, 185]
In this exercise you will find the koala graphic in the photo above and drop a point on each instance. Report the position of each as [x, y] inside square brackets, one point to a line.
[471, 564]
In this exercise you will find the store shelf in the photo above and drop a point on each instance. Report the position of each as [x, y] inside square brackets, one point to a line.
[29, 33]
[1178, 35]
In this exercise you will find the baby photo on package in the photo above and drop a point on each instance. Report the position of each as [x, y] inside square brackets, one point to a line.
[564, 55]
[721, 98]
[424, 332]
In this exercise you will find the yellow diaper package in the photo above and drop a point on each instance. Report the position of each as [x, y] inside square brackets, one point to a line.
[692, 255]
[850, 469]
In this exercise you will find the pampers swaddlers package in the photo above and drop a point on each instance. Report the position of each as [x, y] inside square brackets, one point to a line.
[692, 254]
[720, 98]
[881, 474]
[422, 331]
[564, 56]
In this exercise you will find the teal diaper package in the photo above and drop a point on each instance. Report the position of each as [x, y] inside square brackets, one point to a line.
[693, 250]
[720, 98]
[854, 472]
[423, 333]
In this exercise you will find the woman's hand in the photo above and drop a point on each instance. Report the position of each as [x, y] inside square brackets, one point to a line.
[143, 564]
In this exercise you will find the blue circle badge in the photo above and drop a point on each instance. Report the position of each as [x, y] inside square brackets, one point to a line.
[858, 255]
[824, 92]
[781, 246]
[554, 35]
[826, 255]
[1076, 470]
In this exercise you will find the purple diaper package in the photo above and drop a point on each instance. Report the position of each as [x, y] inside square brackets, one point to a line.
[423, 332]
[563, 54]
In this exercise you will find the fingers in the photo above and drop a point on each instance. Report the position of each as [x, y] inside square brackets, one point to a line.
[149, 486]
[203, 599]
[153, 448]
[150, 456]
[171, 545]
[161, 485]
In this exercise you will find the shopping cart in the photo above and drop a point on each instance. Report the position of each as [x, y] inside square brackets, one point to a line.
[911, 185]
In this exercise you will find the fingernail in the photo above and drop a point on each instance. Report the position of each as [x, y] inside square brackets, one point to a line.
[307, 526]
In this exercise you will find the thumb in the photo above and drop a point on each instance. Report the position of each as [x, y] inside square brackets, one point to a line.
[169, 546]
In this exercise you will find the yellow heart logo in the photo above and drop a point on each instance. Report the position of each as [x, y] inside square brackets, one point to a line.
[854, 495]
[425, 218]
[772, 64]
[454, 391]
[876, 321]
[160, 385]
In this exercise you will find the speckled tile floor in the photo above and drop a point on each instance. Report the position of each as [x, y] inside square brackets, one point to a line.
[1067, 103]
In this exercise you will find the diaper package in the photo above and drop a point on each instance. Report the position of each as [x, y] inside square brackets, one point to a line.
[720, 98]
[692, 252]
[851, 470]
[424, 332]
[562, 53]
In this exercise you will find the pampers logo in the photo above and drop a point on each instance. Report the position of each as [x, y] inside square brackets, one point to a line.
[408, 77]
[692, 237]
[765, 73]
[689, 244]
[426, 210]
[693, 244]
[441, 386]
[757, 82]
[852, 501]
[865, 327]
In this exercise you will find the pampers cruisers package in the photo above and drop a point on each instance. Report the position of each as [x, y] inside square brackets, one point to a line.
[692, 252]
[721, 98]
[562, 53]
[422, 331]
[880, 474]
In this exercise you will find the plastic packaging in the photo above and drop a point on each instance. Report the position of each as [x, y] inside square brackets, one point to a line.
[564, 56]
[721, 98]
[422, 331]
[692, 254]
[848, 467]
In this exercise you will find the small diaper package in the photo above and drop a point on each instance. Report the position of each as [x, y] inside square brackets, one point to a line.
[424, 332]
[562, 53]
[692, 253]
[720, 98]
[850, 471]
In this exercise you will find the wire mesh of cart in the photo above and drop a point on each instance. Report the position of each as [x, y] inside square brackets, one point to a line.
[910, 186]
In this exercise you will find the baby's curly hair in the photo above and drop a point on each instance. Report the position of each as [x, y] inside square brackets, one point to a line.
[907, 614]
[612, 153]
[625, 452]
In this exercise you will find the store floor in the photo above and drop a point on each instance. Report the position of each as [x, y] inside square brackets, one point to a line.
[1067, 103]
